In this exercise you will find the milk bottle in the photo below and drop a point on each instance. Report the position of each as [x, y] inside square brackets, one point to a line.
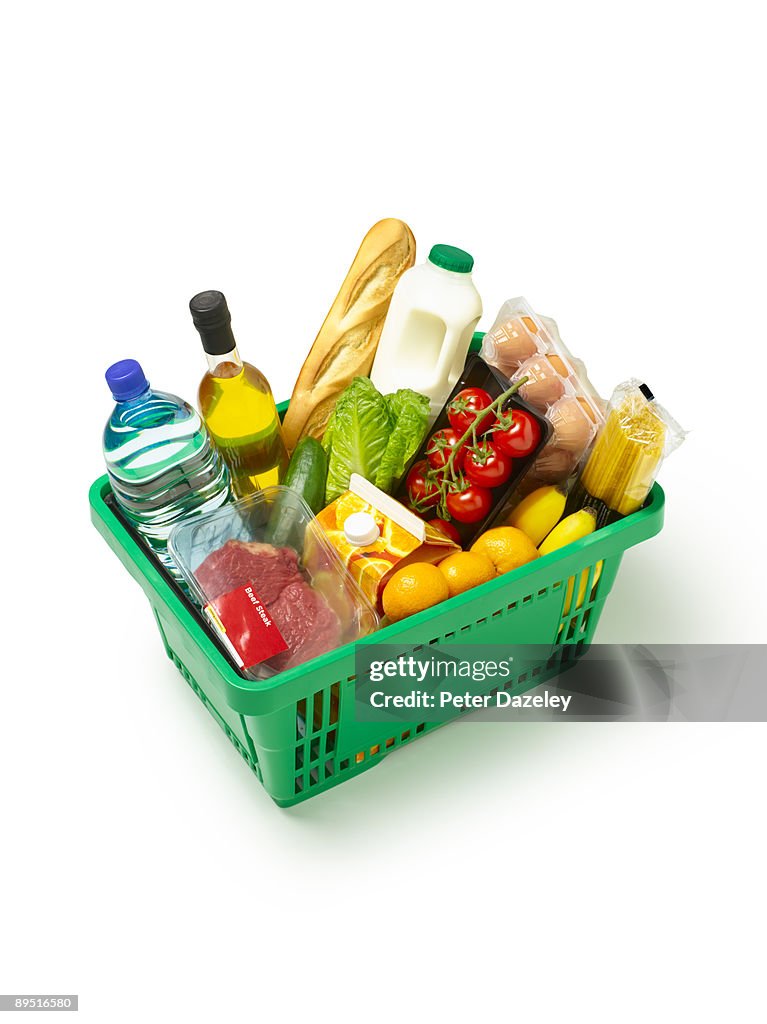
[428, 329]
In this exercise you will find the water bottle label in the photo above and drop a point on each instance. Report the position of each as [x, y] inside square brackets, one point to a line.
[244, 623]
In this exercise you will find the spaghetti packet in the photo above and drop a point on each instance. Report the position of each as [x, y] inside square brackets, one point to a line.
[624, 461]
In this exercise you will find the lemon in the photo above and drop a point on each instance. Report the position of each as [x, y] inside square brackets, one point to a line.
[413, 588]
[466, 569]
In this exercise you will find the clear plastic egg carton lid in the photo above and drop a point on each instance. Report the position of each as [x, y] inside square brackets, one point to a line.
[270, 582]
[521, 343]
[520, 334]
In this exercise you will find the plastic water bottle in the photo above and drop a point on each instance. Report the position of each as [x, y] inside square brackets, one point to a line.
[161, 463]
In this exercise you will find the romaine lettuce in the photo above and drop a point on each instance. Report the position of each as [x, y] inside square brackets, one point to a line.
[409, 415]
[356, 436]
[372, 435]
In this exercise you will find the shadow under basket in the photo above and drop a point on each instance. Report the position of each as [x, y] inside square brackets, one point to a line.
[297, 730]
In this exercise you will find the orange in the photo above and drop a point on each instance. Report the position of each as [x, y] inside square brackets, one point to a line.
[506, 547]
[413, 588]
[466, 569]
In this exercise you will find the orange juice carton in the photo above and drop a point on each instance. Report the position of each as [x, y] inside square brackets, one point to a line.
[375, 535]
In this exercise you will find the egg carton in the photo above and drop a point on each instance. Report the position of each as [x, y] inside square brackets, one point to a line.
[521, 343]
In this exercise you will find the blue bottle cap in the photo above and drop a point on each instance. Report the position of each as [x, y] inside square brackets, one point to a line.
[126, 380]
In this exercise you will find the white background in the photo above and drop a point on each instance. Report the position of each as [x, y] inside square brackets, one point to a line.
[604, 160]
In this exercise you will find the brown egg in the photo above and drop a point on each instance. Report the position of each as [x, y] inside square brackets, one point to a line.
[559, 365]
[586, 406]
[509, 344]
[553, 464]
[572, 427]
[544, 386]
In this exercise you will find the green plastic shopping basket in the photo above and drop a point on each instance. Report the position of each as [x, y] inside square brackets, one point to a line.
[297, 730]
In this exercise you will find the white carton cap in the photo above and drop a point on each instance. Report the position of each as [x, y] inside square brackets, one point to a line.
[360, 529]
[388, 507]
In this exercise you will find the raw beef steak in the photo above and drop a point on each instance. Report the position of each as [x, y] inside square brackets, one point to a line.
[305, 621]
[268, 568]
[307, 624]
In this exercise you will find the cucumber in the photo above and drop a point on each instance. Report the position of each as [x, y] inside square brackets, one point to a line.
[305, 475]
[307, 472]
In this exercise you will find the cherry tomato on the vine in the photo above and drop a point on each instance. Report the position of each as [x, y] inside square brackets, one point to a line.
[442, 444]
[462, 411]
[517, 434]
[423, 493]
[486, 465]
[447, 528]
[468, 503]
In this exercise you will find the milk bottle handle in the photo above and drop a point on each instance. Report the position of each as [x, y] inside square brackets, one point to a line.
[446, 356]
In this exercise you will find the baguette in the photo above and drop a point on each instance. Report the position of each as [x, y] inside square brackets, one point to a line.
[347, 341]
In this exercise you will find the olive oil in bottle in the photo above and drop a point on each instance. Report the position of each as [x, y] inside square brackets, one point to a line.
[236, 403]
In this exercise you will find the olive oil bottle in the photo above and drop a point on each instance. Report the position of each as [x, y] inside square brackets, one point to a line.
[236, 403]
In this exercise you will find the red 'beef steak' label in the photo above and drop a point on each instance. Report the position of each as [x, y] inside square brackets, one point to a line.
[246, 625]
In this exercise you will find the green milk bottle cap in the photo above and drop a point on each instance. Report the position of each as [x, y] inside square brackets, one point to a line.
[451, 258]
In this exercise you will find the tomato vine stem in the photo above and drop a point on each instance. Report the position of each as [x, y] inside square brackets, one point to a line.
[495, 406]
[447, 476]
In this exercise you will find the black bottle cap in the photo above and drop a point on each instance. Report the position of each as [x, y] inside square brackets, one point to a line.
[212, 319]
[642, 387]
